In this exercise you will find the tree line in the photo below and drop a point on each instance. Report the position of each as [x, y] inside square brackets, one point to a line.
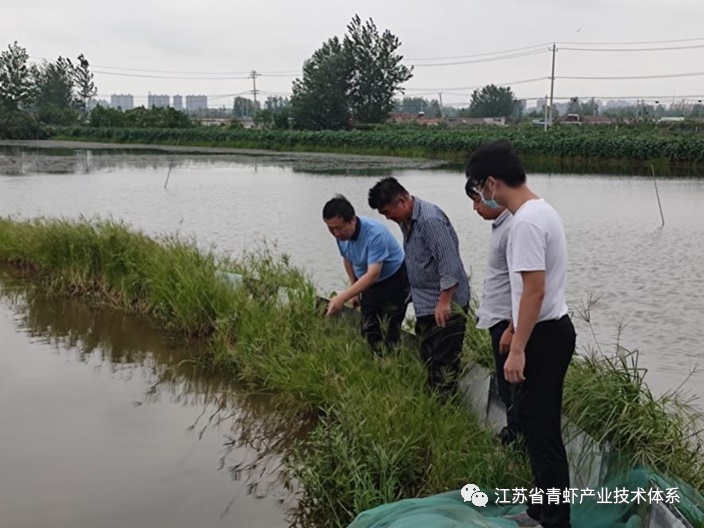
[351, 80]
[348, 82]
[55, 93]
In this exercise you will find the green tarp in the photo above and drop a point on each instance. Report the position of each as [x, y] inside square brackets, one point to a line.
[631, 509]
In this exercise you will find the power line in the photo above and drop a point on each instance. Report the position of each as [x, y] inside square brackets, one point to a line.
[632, 43]
[266, 92]
[292, 74]
[168, 71]
[526, 48]
[506, 57]
[536, 46]
[625, 97]
[626, 77]
[512, 54]
[282, 73]
[634, 49]
[416, 95]
[435, 90]
[515, 53]
[167, 77]
[188, 78]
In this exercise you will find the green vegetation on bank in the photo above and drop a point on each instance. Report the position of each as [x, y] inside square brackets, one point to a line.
[377, 437]
[636, 144]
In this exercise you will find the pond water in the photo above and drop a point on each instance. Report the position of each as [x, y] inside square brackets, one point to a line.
[104, 425]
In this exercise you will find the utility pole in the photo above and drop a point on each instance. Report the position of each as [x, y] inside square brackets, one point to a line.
[442, 113]
[545, 119]
[552, 80]
[253, 75]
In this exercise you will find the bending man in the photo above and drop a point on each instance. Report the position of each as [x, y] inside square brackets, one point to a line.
[437, 277]
[374, 262]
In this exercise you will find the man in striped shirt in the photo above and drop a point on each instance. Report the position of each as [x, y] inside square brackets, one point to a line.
[439, 285]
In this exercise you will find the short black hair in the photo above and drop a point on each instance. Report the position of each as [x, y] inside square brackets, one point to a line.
[338, 206]
[497, 159]
[384, 192]
[469, 189]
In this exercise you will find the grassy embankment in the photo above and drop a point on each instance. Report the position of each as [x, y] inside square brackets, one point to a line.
[377, 438]
[565, 148]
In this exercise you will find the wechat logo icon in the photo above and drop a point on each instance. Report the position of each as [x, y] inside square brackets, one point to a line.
[471, 492]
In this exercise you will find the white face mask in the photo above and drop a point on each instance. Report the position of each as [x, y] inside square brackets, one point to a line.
[491, 203]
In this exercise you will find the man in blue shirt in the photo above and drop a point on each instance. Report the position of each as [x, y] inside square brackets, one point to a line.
[437, 277]
[374, 262]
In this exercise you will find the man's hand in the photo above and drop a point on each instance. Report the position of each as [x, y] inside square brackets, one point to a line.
[443, 311]
[335, 305]
[515, 364]
[356, 302]
[505, 341]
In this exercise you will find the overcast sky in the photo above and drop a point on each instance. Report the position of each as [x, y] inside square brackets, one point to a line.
[232, 38]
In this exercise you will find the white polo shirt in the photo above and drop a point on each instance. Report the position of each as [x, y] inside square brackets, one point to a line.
[495, 305]
[537, 242]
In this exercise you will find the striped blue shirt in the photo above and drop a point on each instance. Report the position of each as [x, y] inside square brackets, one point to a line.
[433, 258]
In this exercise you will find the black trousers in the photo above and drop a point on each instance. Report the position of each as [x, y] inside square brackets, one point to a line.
[506, 390]
[441, 350]
[384, 307]
[539, 404]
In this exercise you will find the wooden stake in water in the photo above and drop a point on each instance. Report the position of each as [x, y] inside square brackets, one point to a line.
[171, 164]
[658, 195]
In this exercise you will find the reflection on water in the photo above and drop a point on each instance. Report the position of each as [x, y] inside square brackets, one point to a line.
[16, 160]
[146, 436]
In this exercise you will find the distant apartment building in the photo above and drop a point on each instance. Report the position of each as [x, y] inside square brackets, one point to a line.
[122, 102]
[177, 102]
[159, 101]
[195, 103]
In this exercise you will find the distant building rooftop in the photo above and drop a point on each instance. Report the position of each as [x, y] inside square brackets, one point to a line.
[586, 119]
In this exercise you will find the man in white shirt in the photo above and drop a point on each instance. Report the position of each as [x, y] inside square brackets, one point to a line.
[544, 338]
[495, 306]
